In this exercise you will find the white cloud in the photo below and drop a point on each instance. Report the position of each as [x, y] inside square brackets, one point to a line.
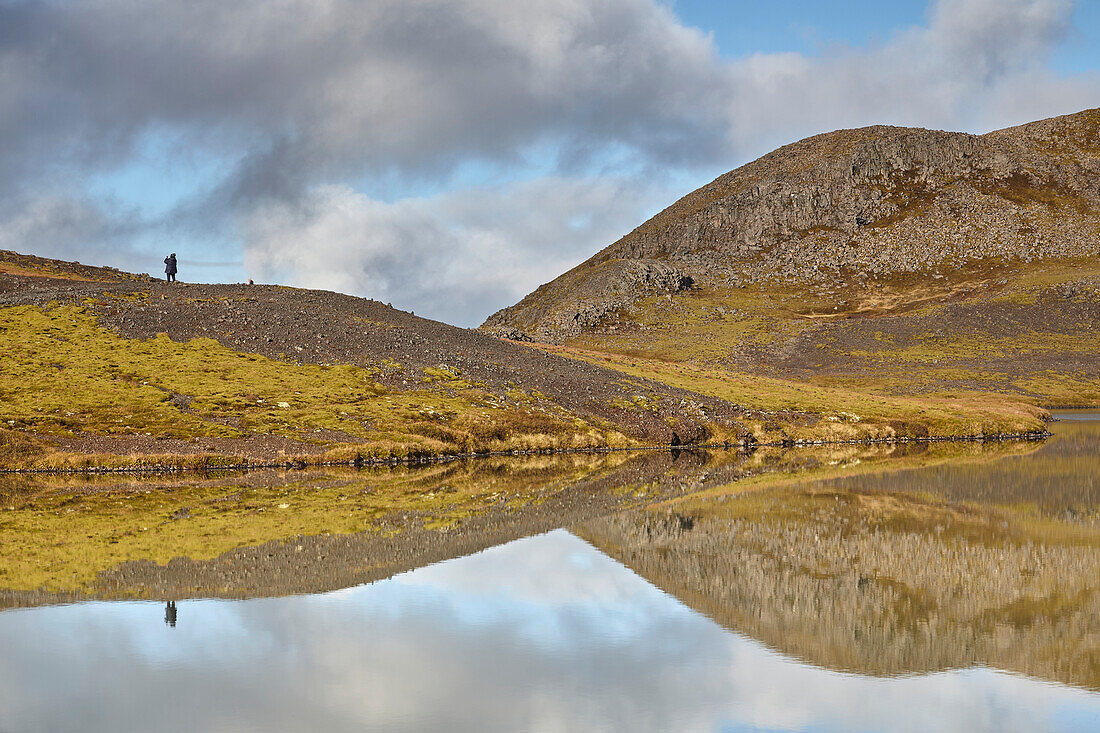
[453, 257]
[62, 227]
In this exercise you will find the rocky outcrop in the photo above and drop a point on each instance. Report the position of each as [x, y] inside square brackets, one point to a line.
[863, 203]
[595, 293]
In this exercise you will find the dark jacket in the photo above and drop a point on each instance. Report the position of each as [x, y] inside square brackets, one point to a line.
[170, 265]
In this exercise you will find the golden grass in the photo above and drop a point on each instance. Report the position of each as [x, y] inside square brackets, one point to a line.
[890, 336]
[842, 414]
[66, 535]
[64, 375]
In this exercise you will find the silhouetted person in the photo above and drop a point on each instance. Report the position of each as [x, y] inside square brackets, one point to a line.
[170, 613]
[170, 267]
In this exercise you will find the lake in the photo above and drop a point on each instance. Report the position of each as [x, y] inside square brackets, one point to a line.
[838, 588]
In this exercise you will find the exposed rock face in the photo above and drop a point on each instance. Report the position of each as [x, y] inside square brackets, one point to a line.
[875, 201]
[596, 291]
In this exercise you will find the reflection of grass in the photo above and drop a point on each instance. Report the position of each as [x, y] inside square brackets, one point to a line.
[64, 374]
[65, 537]
[1014, 492]
[94, 523]
[843, 413]
[847, 462]
[920, 513]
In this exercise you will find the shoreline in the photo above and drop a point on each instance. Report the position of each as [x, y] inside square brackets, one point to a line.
[431, 459]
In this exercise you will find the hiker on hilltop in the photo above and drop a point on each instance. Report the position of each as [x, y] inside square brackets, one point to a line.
[170, 267]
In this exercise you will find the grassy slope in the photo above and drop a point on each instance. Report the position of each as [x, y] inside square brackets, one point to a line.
[844, 413]
[974, 345]
[64, 374]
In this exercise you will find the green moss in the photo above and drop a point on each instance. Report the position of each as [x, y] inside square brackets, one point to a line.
[93, 529]
[66, 375]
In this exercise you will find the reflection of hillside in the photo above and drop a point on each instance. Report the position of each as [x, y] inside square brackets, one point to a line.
[273, 533]
[1060, 479]
[856, 575]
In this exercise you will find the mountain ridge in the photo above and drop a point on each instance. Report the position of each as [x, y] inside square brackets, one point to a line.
[893, 260]
[876, 201]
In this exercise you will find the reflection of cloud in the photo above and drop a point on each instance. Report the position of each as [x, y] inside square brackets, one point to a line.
[532, 573]
[458, 646]
[454, 257]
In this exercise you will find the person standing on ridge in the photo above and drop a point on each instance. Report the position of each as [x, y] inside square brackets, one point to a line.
[170, 267]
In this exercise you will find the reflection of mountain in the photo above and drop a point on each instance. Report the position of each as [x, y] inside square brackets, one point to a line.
[1061, 479]
[275, 534]
[856, 575]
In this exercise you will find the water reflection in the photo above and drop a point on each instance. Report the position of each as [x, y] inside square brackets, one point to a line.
[545, 633]
[275, 533]
[928, 587]
[893, 573]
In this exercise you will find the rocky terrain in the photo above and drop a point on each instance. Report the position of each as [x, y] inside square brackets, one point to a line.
[108, 369]
[898, 260]
[397, 354]
[851, 205]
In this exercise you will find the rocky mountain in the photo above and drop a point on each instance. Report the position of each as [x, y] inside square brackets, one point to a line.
[851, 227]
[851, 204]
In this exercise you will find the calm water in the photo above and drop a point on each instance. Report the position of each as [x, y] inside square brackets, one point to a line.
[955, 593]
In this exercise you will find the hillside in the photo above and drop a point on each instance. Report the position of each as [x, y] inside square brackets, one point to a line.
[103, 368]
[131, 367]
[903, 260]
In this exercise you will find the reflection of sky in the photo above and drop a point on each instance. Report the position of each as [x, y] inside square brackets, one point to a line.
[543, 634]
[1076, 415]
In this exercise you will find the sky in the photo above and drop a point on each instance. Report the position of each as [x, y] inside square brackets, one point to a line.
[448, 156]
